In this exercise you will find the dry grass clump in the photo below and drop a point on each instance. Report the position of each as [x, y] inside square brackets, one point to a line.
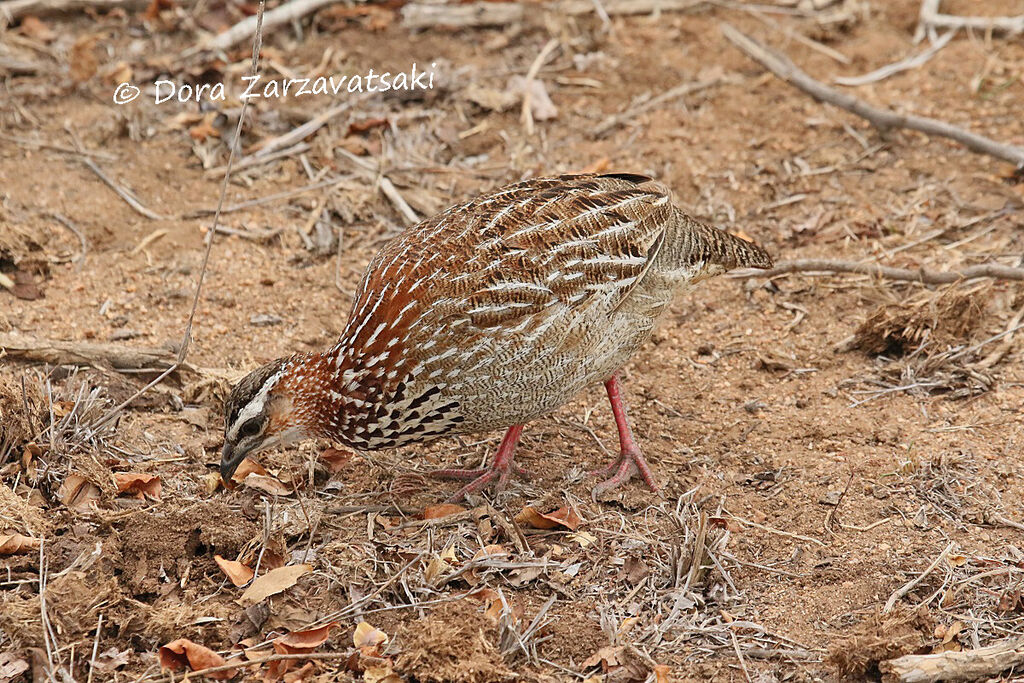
[22, 411]
[880, 637]
[454, 644]
[939, 318]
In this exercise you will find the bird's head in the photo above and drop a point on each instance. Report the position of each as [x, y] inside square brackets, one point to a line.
[260, 413]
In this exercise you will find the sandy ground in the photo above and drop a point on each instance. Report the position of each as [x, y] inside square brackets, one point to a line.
[819, 442]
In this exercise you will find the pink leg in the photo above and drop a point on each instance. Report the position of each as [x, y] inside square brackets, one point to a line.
[502, 467]
[630, 460]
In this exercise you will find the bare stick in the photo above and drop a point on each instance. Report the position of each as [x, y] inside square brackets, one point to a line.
[930, 17]
[906, 64]
[306, 129]
[421, 15]
[124, 194]
[909, 586]
[116, 356]
[526, 115]
[972, 665]
[777, 532]
[812, 266]
[883, 119]
[187, 337]
[631, 113]
[73, 229]
[285, 14]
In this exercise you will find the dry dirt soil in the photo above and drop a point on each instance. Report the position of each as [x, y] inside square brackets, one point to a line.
[823, 440]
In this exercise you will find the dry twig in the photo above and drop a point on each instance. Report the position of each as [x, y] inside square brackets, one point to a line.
[928, 277]
[909, 586]
[630, 114]
[421, 15]
[971, 665]
[116, 356]
[930, 17]
[883, 119]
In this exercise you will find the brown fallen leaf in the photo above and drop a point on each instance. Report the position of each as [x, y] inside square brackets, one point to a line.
[565, 517]
[183, 654]
[236, 572]
[78, 493]
[16, 543]
[335, 459]
[727, 523]
[247, 467]
[205, 128]
[35, 28]
[138, 483]
[662, 673]
[303, 674]
[442, 510]
[365, 125]
[298, 641]
[294, 643]
[369, 640]
[599, 166]
[272, 583]
[268, 484]
[607, 658]
[82, 60]
[381, 674]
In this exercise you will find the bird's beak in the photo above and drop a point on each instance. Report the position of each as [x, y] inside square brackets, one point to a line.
[230, 458]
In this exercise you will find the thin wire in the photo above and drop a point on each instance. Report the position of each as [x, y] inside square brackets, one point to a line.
[187, 337]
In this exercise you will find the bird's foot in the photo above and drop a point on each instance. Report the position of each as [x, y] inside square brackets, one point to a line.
[629, 463]
[494, 477]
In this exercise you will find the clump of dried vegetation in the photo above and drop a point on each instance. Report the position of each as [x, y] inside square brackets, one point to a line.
[879, 637]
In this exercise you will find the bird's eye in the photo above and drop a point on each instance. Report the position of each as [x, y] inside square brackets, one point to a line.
[250, 428]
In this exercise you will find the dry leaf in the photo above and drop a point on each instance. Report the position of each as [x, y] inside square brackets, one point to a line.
[607, 657]
[336, 459]
[584, 538]
[11, 666]
[83, 60]
[662, 673]
[272, 583]
[236, 572]
[247, 467]
[369, 640]
[366, 124]
[303, 674]
[267, 484]
[183, 654]
[727, 523]
[140, 484]
[16, 543]
[205, 128]
[310, 639]
[294, 643]
[381, 674]
[565, 517]
[442, 510]
[212, 482]
[78, 493]
[599, 166]
[35, 28]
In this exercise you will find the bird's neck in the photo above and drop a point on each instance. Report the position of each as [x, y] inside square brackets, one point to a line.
[332, 396]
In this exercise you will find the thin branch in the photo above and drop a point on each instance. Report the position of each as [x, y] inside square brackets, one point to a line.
[124, 194]
[117, 356]
[186, 340]
[909, 586]
[812, 266]
[631, 113]
[931, 17]
[883, 119]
